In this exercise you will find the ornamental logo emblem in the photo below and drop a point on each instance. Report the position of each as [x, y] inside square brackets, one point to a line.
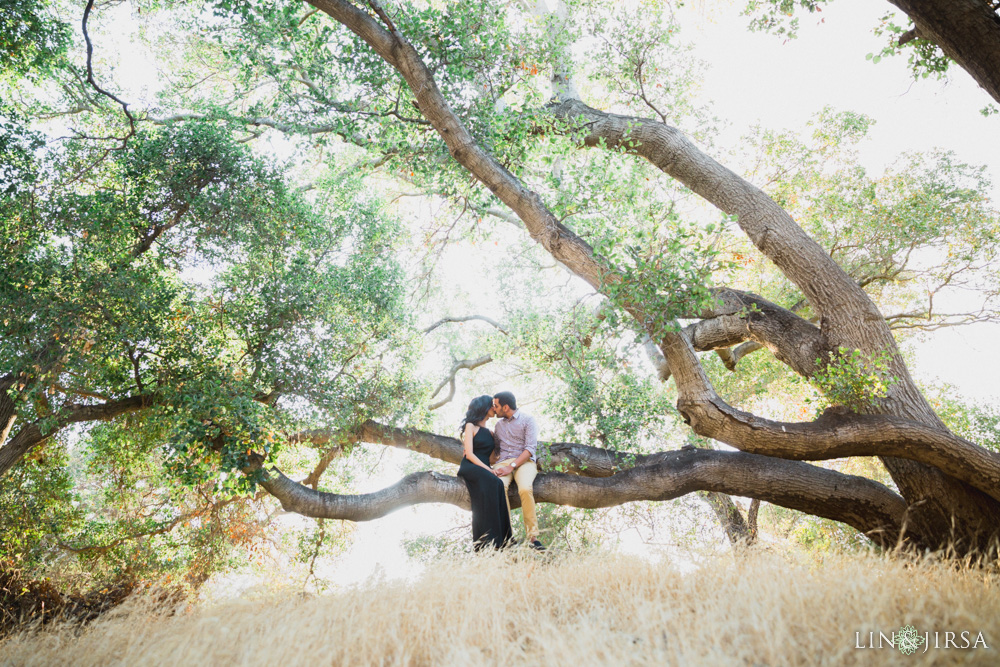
[909, 640]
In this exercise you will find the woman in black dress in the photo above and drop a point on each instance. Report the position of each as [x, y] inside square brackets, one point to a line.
[490, 516]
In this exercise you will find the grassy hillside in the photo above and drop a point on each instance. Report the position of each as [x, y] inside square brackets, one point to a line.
[519, 609]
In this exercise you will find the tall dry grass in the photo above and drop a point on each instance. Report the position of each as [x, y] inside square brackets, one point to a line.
[522, 609]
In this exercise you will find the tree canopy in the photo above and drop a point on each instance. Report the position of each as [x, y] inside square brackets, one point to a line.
[244, 270]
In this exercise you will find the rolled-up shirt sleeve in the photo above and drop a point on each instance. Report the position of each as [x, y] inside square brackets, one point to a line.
[531, 436]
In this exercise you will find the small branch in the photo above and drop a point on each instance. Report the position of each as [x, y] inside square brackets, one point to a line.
[80, 392]
[377, 8]
[324, 462]
[467, 364]
[752, 519]
[90, 76]
[159, 530]
[909, 36]
[466, 318]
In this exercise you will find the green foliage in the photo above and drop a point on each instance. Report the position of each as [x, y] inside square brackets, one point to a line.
[185, 270]
[38, 504]
[778, 16]
[18, 170]
[32, 40]
[854, 380]
[924, 57]
[905, 235]
[664, 271]
[602, 394]
[974, 421]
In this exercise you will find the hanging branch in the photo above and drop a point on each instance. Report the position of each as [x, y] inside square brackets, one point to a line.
[93, 82]
[467, 364]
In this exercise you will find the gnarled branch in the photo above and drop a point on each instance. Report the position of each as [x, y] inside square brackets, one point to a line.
[859, 502]
[837, 435]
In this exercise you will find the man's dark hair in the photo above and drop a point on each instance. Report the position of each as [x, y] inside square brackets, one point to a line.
[506, 398]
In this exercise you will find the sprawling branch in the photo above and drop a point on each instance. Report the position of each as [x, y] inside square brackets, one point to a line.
[837, 435]
[828, 287]
[31, 435]
[563, 456]
[866, 505]
[834, 435]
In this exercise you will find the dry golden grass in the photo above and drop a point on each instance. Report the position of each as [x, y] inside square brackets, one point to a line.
[518, 609]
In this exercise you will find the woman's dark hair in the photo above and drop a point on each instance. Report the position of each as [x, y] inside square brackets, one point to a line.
[479, 407]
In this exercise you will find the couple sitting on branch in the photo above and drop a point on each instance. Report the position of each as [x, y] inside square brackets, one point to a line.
[491, 460]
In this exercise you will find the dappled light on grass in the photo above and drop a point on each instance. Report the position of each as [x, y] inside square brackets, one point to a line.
[522, 608]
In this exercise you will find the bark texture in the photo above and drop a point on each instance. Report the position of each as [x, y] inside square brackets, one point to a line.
[866, 505]
[968, 31]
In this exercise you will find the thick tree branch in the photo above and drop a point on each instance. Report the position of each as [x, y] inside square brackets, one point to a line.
[835, 435]
[838, 435]
[968, 31]
[31, 435]
[866, 505]
[828, 287]
[563, 456]
[742, 316]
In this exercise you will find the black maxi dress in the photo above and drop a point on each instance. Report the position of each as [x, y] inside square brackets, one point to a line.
[490, 516]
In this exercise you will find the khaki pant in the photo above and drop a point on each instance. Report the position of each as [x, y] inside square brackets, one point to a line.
[524, 475]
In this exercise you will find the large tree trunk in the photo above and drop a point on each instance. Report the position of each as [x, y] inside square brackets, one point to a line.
[968, 31]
